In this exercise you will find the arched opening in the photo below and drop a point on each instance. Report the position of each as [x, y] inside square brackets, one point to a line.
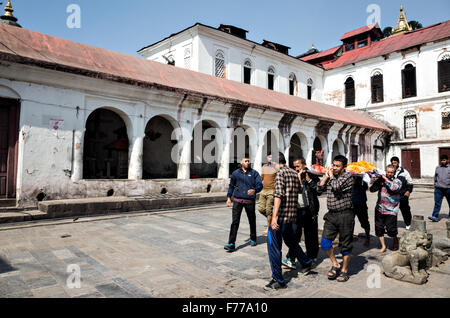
[318, 153]
[272, 145]
[106, 144]
[296, 148]
[204, 151]
[240, 148]
[158, 145]
[338, 148]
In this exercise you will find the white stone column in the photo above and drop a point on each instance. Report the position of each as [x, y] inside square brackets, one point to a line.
[224, 164]
[184, 168]
[78, 144]
[135, 167]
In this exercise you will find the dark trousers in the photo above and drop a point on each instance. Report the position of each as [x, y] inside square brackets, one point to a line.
[310, 226]
[406, 210]
[275, 240]
[439, 194]
[237, 211]
[361, 211]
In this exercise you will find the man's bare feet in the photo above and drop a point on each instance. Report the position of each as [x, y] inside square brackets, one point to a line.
[382, 250]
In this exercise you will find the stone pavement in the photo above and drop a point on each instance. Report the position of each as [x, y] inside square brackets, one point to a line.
[180, 254]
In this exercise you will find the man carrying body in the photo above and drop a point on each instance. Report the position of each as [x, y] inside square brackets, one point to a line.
[265, 204]
[359, 201]
[283, 226]
[307, 213]
[405, 192]
[386, 211]
[244, 184]
[441, 187]
[340, 218]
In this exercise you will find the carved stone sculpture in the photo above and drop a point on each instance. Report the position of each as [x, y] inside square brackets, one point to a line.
[417, 253]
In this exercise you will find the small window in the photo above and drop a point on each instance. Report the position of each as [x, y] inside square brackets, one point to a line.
[444, 73]
[410, 126]
[292, 83]
[309, 87]
[349, 92]
[377, 88]
[409, 81]
[219, 65]
[362, 43]
[270, 78]
[247, 72]
[349, 47]
[446, 119]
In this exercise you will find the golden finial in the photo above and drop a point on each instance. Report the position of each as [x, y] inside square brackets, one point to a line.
[313, 47]
[402, 24]
[7, 17]
[9, 9]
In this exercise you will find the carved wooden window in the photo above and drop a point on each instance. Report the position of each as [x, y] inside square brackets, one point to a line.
[445, 119]
[270, 78]
[409, 81]
[349, 92]
[377, 87]
[219, 65]
[292, 83]
[247, 72]
[444, 73]
[410, 125]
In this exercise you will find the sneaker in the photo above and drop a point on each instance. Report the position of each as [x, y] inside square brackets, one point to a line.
[274, 285]
[252, 243]
[287, 262]
[308, 267]
[230, 248]
[408, 227]
[434, 219]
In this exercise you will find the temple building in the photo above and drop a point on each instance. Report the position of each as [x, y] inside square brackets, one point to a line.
[79, 121]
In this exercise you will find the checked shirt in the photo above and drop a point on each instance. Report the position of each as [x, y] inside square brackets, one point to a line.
[339, 192]
[287, 188]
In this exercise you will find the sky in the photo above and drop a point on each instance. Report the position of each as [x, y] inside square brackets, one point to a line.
[129, 25]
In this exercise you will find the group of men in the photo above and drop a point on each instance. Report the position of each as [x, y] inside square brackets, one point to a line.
[289, 201]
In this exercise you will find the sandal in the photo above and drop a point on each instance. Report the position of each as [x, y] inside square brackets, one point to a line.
[334, 271]
[345, 277]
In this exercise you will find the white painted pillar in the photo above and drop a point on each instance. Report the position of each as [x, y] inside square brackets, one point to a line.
[78, 145]
[135, 167]
[184, 168]
[224, 164]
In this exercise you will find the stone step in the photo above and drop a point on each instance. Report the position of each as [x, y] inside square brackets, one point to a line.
[7, 203]
[24, 216]
[15, 209]
[108, 205]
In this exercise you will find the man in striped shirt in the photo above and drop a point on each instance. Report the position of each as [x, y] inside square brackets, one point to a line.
[387, 207]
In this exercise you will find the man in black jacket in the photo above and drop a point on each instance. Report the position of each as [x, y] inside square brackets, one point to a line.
[307, 213]
[359, 200]
[245, 183]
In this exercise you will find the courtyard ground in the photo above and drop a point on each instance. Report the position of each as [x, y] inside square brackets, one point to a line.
[179, 253]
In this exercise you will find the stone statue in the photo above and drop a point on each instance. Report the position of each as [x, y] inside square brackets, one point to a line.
[417, 253]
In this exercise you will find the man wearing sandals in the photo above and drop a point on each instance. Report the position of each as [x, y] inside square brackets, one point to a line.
[388, 204]
[340, 218]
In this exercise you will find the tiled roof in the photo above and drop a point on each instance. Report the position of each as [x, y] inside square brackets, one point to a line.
[359, 31]
[321, 54]
[392, 44]
[32, 48]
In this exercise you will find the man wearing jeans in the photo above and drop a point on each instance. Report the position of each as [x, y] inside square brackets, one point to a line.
[441, 187]
[245, 183]
[283, 226]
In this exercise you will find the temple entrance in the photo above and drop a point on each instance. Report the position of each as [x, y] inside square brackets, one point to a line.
[9, 133]
[204, 151]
